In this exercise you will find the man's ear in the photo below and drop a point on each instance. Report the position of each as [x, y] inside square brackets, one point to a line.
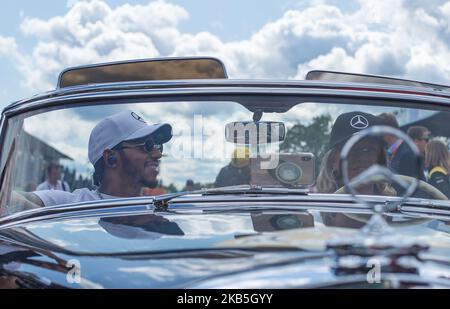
[110, 157]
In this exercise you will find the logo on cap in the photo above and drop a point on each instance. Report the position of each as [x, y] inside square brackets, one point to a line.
[359, 122]
[137, 117]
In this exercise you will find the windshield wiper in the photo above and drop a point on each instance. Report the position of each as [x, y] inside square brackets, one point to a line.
[161, 202]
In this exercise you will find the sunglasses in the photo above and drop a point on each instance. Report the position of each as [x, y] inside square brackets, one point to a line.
[365, 151]
[147, 146]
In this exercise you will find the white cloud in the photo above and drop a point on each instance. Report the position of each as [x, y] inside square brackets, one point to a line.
[409, 43]
[92, 32]
[395, 37]
[71, 3]
[8, 46]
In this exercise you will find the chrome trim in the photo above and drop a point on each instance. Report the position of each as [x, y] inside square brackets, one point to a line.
[240, 86]
[2, 130]
[224, 203]
[393, 278]
[420, 84]
[97, 206]
[172, 94]
[418, 212]
[333, 281]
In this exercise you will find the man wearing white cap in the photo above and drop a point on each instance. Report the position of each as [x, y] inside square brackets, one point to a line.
[125, 152]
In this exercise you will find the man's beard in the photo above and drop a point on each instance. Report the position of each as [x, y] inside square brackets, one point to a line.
[153, 183]
[150, 183]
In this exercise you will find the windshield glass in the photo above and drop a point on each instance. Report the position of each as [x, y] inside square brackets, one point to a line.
[79, 154]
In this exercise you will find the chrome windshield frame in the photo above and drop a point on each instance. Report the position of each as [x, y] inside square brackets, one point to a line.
[228, 90]
[196, 203]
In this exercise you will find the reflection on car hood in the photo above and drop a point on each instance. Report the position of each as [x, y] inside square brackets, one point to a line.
[132, 233]
[122, 250]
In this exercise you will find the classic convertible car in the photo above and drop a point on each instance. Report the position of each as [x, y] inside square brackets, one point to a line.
[165, 173]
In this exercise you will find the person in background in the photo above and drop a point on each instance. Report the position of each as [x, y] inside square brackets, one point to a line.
[437, 161]
[53, 181]
[420, 135]
[393, 143]
[158, 190]
[189, 185]
[400, 157]
[237, 172]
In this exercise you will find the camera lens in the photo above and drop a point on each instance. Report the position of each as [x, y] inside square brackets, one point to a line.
[285, 222]
[288, 172]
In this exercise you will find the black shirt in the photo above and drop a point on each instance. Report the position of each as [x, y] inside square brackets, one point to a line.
[440, 180]
[404, 163]
[233, 176]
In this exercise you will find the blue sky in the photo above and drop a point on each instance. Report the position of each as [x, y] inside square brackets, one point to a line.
[230, 20]
[256, 39]
[281, 39]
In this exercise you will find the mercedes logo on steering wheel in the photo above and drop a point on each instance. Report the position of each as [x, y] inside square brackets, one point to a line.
[359, 122]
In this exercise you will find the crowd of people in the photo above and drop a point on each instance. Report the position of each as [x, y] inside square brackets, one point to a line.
[434, 161]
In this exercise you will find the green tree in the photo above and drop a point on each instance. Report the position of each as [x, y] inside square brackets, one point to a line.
[311, 138]
[171, 188]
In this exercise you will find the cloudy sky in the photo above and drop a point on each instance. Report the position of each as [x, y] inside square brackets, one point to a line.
[255, 38]
[281, 39]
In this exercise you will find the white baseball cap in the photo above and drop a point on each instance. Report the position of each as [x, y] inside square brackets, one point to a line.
[123, 126]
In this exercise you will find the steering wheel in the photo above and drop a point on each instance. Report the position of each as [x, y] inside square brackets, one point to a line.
[422, 185]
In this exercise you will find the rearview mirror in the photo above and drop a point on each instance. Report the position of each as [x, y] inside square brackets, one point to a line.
[253, 133]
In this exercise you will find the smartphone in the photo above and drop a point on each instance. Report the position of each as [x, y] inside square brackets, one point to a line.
[278, 222]
[290, 170]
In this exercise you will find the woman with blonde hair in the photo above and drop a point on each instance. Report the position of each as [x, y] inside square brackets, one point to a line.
[365, 153]
[437, 161]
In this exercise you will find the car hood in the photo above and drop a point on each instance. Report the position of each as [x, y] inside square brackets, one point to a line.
[178, 250]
